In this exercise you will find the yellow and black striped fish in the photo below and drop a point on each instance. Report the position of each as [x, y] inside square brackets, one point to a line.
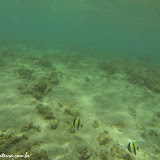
[77, 123]
[132, 146]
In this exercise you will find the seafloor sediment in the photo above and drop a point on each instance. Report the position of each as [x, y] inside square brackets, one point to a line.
[43, 91]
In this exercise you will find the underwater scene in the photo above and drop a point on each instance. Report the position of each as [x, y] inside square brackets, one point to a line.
[80, 79]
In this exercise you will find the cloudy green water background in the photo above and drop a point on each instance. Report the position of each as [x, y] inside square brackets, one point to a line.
[117, 26]
[112, 96]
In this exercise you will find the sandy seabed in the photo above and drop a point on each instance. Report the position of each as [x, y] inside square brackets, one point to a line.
[43, 91]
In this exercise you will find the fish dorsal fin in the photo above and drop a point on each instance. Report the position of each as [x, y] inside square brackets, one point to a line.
[136, 141]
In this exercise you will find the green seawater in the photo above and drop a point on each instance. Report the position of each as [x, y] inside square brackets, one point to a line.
[97, 61]
[129, 28]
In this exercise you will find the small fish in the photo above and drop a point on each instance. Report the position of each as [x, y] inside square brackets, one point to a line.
[132, 146]
[77, 123]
